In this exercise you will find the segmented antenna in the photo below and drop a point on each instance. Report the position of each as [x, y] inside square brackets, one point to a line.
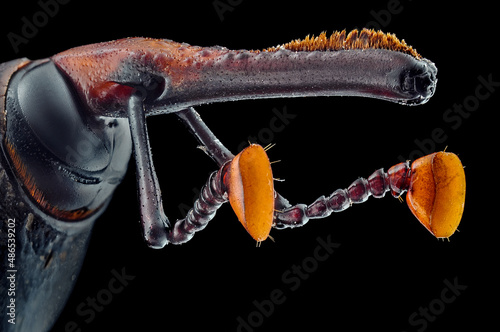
[396, 180]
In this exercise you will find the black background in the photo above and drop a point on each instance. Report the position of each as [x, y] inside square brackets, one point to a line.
[387, 266]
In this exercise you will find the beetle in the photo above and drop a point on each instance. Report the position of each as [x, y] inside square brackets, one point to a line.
[70, 123]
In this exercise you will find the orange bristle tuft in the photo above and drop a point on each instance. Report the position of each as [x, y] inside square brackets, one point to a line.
[355, 40]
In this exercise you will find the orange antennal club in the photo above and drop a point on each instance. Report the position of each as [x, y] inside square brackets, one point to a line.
[250, 187]
[437, 192]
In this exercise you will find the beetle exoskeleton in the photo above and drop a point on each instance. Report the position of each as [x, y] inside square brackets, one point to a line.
[68, 124]
[58, 169]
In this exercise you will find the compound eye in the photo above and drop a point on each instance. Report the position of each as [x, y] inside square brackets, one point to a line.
[51, 109]
[68, 160]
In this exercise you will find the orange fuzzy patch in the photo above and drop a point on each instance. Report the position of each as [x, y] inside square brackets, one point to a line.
[338, 40]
